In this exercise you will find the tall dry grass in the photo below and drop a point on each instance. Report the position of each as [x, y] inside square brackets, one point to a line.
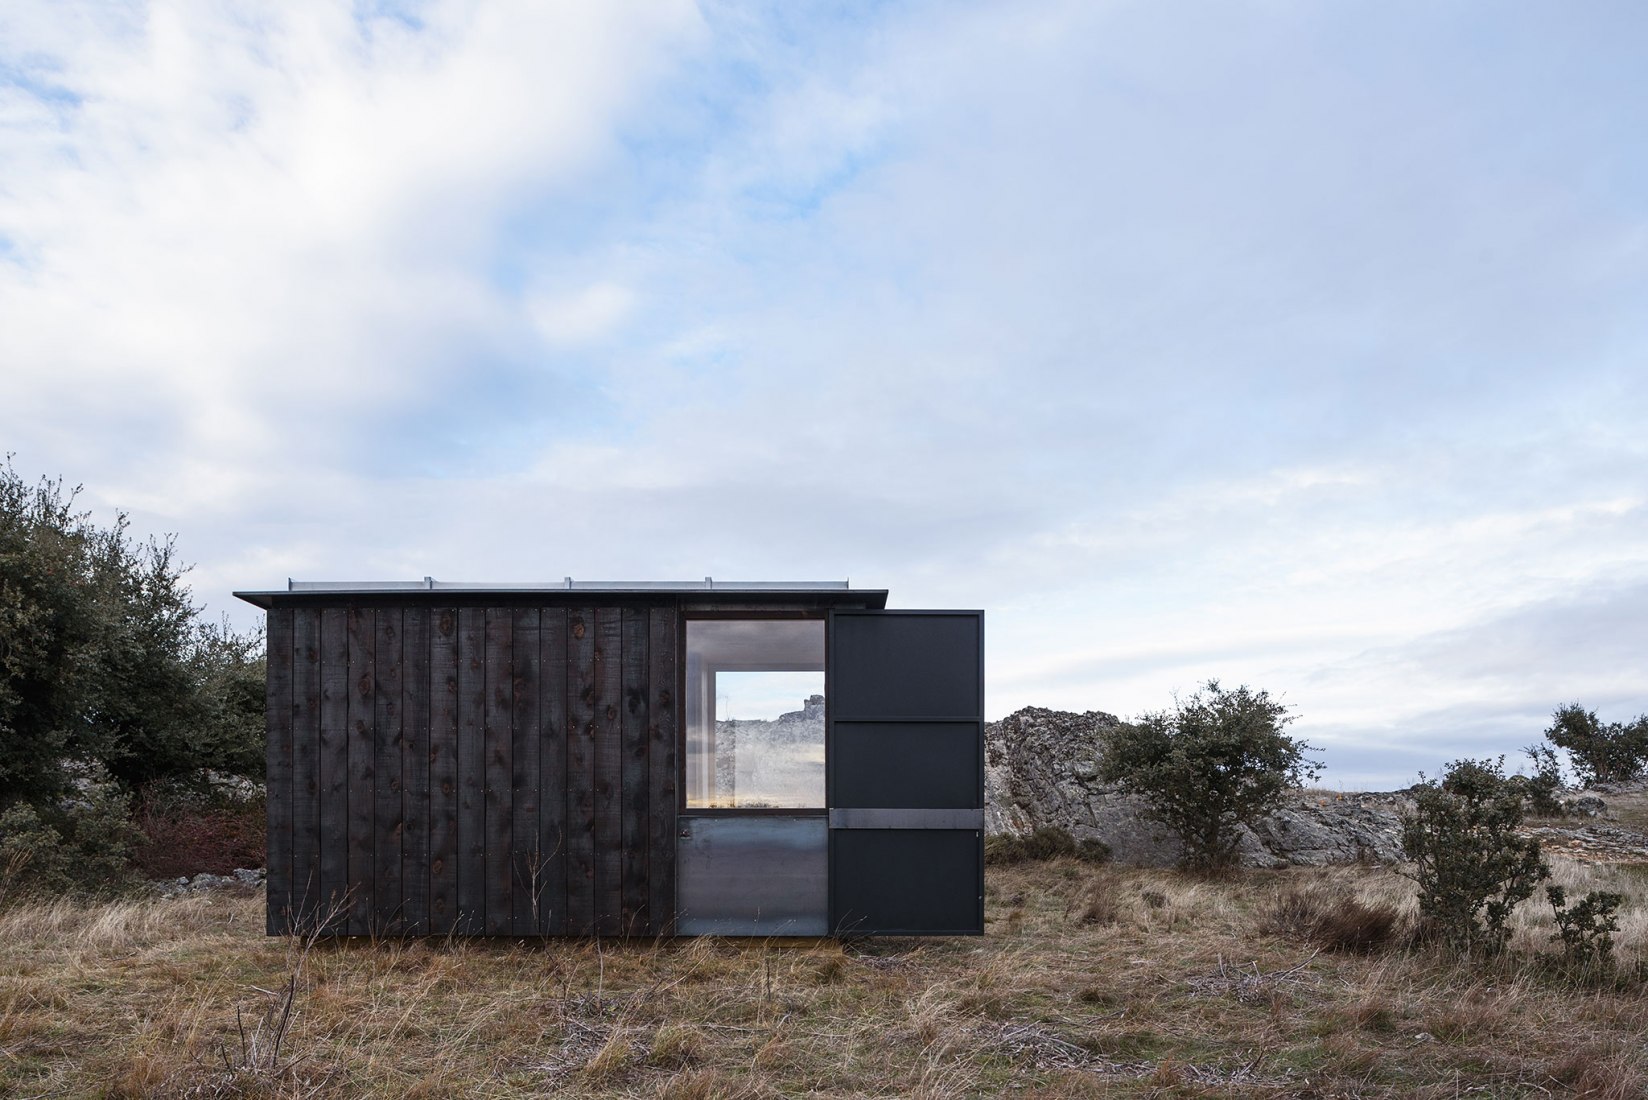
[1091, 981]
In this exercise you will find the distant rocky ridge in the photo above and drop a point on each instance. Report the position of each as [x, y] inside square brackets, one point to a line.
[771, 762]
[1041, 768]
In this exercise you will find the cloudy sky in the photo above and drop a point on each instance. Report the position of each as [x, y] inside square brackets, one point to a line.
[1300, 344]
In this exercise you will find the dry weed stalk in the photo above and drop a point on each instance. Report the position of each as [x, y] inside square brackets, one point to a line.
[256, 1056]
[1248, 984]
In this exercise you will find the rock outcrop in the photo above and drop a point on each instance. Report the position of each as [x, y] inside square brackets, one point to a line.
[1041, 768]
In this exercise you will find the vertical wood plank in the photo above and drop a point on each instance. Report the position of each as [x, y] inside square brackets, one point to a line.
[306, 688]
[335, 690]
[443, 770]
[415, 773]
[387, 786]
[499, 774]
[552, 769]
[362, 765]
[580, 766]
[278, 763]
[635, 779]
[471, 908]
[609, 775]
[663, 640]
[527, 860]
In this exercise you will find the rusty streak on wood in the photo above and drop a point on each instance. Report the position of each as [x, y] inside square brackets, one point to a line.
[663, 633]
[580, 766]
[387, 810]
[333, 769]
[362, 765]
[278, 765]
[636, 789]
[552, 771]
[415, 772]
[443, 770]
[609, 772]
[500, 873]
[526, 738]
[306, 691]
[470, 914]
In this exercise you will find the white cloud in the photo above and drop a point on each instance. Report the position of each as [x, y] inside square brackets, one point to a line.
[244, 219]
[581, 317]
[1268, 344]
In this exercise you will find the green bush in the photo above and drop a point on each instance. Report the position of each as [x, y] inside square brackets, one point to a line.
[1585, 930]
[1541, 788]
[1219, 760]
[1047, 842]
[103, 657]
[1471, 866]
[83, 845]
[1600, 753]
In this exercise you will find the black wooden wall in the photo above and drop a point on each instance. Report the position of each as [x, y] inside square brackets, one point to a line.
[479, 770]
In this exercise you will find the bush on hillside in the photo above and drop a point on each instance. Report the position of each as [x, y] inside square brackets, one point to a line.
[103, 658]
[1612, 752]
[1215, 762]
[1540, 789]
[82, 845]
[1472, 867]
[1585, 929]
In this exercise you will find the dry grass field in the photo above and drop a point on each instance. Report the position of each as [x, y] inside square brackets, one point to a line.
[1092, 981]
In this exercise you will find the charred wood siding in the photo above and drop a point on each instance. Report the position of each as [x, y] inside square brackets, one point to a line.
[472, 770]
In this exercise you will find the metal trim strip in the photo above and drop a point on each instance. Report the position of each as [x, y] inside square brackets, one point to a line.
[859, 818]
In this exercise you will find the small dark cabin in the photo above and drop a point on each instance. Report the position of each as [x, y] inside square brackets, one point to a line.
[612, 759]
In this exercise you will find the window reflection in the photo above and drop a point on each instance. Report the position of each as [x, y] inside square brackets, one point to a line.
[755, 714]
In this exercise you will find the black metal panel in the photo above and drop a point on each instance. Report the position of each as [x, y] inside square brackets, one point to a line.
[906, 759]
[907, 664]
[918, 764]
[907, 881]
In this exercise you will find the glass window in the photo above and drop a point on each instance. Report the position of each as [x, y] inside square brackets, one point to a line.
[755, 714]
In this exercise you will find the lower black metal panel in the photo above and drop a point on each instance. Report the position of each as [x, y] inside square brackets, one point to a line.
[906, 881]
[752, 876]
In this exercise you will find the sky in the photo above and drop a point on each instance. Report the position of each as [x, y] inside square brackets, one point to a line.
[1302, 345]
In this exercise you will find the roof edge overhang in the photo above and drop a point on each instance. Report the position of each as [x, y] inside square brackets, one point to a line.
[431, 591]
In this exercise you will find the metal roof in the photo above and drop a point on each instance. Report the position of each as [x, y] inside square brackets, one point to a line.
[265, 598]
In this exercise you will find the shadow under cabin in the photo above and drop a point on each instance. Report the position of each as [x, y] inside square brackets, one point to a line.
[622, 759]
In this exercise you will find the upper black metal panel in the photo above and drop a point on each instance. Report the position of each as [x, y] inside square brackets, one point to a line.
[916, 664]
